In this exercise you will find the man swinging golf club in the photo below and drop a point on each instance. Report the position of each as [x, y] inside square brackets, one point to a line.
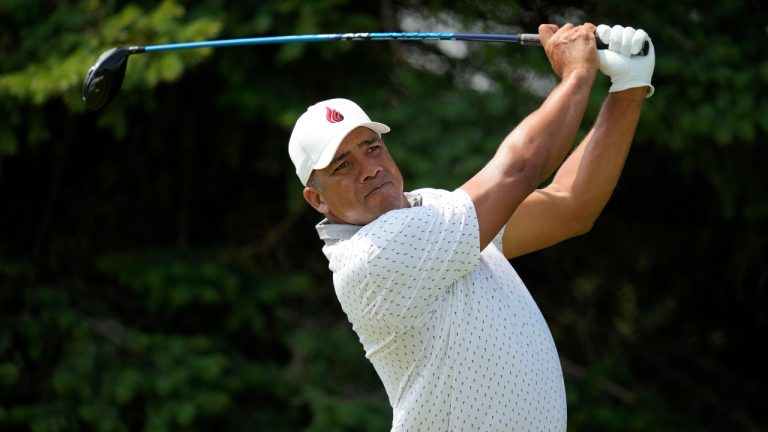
[423, 276]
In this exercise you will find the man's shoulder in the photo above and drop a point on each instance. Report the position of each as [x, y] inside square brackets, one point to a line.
[428, 194]
[431, 197]
[392, 223]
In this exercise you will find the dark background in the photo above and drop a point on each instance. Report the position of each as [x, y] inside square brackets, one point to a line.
[160, 271]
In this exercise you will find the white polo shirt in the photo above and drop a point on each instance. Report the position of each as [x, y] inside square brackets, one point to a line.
[453, 333]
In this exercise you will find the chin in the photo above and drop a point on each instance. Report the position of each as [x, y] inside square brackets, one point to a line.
[371, 211]
[392, 203]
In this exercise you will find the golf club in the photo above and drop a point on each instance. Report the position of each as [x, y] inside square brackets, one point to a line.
[103, 80]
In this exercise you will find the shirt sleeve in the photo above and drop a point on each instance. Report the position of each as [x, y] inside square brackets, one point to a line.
[498, 241]
[418, 253]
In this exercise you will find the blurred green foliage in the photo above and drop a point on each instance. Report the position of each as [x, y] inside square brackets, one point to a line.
[158, 266]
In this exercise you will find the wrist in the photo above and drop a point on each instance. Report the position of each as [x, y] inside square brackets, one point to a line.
[642, 85]
[637, 94]
[579, 80]
[583, 73]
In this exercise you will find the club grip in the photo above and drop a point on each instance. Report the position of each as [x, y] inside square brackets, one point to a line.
[533, 39]
[529, 39]
[643, 50]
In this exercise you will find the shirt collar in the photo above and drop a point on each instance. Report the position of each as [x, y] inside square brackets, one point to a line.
[332, 231]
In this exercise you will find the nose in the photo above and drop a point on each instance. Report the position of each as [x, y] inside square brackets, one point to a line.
[369, 171]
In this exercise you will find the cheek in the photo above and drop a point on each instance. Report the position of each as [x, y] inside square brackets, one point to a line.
[344, 195]
[395, 170]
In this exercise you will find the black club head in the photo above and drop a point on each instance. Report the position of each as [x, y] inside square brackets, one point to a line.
[105, 77]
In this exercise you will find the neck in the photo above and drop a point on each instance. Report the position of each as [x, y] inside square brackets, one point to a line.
[332, 218]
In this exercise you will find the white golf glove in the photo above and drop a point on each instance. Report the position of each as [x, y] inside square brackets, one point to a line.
[620, 62]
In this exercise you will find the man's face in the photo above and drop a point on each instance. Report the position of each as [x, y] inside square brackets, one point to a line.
[361, 183]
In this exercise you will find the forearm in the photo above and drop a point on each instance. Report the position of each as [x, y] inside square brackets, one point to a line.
[543, 138]
[590, 174]
[537, 145]
[571, 203]
[529, 154]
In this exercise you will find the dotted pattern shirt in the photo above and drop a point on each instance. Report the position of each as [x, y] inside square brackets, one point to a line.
[452, 332]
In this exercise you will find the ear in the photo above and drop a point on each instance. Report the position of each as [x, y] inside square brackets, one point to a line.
[315, 199]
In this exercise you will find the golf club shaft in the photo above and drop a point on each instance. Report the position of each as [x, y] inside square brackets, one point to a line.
[523, 39]
[104, 78]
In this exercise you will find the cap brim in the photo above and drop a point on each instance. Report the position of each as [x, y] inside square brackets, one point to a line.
[333, 144]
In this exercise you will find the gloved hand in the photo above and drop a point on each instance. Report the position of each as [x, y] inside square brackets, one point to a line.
[619, 62]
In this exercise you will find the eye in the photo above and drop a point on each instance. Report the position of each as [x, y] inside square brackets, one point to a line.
[373, 148]
[341, 166]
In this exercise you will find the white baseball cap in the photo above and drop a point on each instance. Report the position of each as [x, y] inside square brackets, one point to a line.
[321, 129]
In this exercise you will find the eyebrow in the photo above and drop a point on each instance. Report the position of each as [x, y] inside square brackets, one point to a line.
[365, 142]
[339, 158]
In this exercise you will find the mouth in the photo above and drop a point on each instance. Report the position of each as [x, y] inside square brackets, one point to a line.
[377, 189]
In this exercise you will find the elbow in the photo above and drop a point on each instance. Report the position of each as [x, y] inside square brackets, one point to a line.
[583, 210]
[526, 172]
[517, 177]
[583, 218]
[584, 226]
[520, 161]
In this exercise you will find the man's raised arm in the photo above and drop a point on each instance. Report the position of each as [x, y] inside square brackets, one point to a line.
[535, 148]
[571, 203]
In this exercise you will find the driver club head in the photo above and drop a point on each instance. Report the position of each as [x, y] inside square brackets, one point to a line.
[105, 77]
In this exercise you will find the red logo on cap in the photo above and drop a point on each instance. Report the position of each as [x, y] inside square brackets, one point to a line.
[333, 116]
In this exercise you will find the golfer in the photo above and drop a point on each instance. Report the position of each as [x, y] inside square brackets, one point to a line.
[424, 276]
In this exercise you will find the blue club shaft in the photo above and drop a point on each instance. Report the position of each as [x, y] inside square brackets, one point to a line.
[525, 39]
